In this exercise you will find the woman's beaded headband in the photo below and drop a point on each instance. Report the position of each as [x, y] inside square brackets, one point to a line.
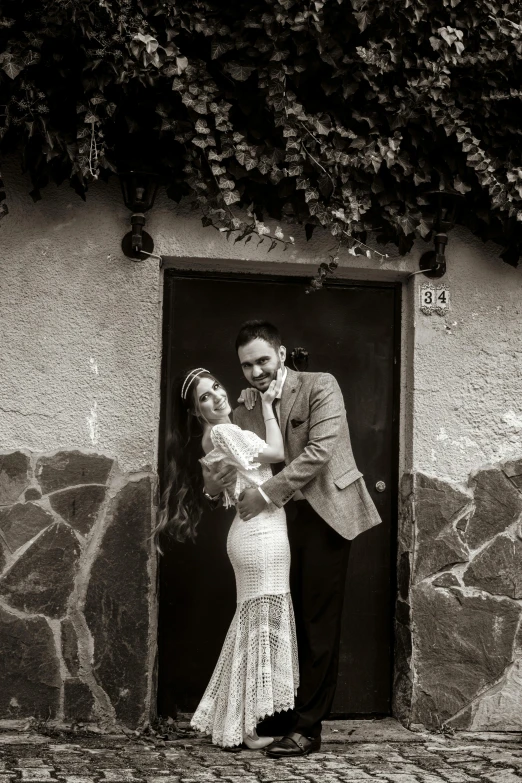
[192, 375]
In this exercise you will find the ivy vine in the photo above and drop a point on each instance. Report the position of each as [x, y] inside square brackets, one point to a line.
[341, 115]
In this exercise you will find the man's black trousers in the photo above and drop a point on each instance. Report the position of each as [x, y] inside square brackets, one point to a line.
[317, 581]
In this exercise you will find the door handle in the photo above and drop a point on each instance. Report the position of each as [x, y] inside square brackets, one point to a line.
[380, 486]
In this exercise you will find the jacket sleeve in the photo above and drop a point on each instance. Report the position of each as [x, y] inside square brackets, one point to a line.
[326, 411]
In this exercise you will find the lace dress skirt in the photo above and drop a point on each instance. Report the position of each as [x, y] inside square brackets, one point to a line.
[257, 673]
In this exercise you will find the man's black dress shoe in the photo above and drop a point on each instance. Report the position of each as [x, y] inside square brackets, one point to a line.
[293, 744]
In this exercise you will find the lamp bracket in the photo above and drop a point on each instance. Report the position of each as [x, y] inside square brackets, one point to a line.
[129, 249]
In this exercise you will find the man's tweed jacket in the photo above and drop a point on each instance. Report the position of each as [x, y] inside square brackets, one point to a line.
[318, 453]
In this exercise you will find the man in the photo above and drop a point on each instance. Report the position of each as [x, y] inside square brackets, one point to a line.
[328, 505]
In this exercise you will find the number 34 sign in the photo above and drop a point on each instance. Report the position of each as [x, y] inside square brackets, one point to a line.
[434, 299]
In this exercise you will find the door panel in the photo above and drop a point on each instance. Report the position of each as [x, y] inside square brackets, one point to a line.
[349, 330]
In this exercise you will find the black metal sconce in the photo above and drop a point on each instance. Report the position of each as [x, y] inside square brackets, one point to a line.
[446, 203]
[139, 190]
[299, 357]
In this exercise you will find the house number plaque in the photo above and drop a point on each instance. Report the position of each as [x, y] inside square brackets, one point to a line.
[434, 299]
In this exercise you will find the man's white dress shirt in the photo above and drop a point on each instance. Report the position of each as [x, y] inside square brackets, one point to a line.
[277, 405]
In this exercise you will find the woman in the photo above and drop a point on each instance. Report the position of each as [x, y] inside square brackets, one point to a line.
[257, 671]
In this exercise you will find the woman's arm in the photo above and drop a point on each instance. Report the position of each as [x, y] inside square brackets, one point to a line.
[275, 451]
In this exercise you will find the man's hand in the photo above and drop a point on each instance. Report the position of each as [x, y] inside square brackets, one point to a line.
[248, 398]
[251, 503]
[218, 477]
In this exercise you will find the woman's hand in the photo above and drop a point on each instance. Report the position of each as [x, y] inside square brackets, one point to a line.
[274, 390]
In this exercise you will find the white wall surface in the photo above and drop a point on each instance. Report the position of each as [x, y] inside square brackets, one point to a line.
[81, 331]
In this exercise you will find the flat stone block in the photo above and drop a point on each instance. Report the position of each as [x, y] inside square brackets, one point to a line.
[497, 505]
[72, 769]
[463, 644]
[163, 779]
[78, 700]
[497, 569]
[513, 470]
[120, 775]
[41, 580]
[22, 737]
[22, 522]
[29, 670]
[14, 476]
[36, 775]
[79, 506]
[438, 542]
[78, 779]
[32, 494]
[70, 468]
[446, 580]
[503, 776]
[455, 776]
[116, 607]
[357, 731]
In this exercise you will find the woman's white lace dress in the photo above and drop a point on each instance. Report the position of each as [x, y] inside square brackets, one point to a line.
[257, 672]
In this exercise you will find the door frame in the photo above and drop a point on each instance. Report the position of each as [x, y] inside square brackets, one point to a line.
[192, 268]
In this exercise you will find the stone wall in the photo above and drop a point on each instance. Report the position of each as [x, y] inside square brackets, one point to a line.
[76, 575]
[464, 608]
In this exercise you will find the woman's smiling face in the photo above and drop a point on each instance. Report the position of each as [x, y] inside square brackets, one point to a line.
[211, 401]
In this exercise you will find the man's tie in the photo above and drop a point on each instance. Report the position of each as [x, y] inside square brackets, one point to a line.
[277, 467]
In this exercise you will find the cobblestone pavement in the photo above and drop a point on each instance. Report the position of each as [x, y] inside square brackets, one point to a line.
[186, 759]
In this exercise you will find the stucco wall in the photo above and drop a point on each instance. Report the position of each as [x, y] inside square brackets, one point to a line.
[80, 364]
[80, 327]
[468, 366]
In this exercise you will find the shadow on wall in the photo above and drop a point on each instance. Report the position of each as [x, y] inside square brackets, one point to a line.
[459, 627]
[76, 577]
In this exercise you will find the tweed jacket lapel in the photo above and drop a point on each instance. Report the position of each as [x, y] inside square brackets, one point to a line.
[289, 396]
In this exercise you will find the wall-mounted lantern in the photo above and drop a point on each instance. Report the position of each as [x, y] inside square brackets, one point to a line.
[139, 190]
[445, 207]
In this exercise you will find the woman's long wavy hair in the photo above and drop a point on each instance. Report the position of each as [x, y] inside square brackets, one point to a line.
[181, 505]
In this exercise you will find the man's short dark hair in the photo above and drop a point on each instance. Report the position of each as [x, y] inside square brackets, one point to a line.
[262, 330]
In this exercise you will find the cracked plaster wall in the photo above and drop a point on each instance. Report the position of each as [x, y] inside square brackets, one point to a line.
[80, 364]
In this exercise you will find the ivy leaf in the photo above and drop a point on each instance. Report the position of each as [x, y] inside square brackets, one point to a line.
[423, 229]
[239, 72]
[181, 65]
[321, 127]
[407, 224]
[311, 195]
[295, 171]
[11, 69]
[231, 197]
[218, 48]
[363, 19]
[460, 186]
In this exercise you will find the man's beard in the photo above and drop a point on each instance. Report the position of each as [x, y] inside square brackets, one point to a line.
[265, 381]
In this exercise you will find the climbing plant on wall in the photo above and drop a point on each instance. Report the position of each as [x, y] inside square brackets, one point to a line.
[336, 114]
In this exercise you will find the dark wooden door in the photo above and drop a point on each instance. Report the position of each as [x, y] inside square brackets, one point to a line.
[350, 330]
